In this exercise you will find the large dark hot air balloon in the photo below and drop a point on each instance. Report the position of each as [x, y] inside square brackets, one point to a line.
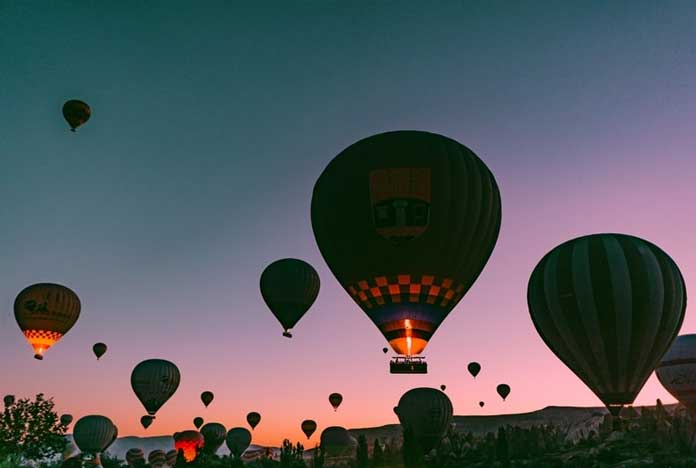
[66, 419]
[45, 312]
[335, 399]
[428, 412]
[154, 381]
[99, 349]
[135, 455]
[207, 398]
[308, 427]
[198, 422]
[238, 440]
[190, 442]
[214, 435]
[336, 441]
[677, 371]
[94, 433]
[406, 221]
[503, 390]
[289, 288]
[474, 368]
[609, 306]
[157, 458]
[253, 419]
[146, 421]
[76, 113]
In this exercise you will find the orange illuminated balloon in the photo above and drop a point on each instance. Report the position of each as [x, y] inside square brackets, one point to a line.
[190, 442]
[45, 312]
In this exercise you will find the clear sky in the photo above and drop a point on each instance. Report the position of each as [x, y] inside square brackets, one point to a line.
[212, 121]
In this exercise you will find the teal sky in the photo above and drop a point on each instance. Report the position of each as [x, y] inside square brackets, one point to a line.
[212, 121]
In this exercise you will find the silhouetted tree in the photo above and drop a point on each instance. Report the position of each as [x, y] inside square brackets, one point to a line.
[362, 459]
[291, 457]
[377, 454]
[318, 457]
[502, 449]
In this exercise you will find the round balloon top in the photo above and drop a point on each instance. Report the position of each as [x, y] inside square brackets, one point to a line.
[99, 349]
[289, 287]
[45, 312]
[146, 421]
[94, 433]
[190, 442]
[428, 412]
[406, 221]
[214, 435]
[609, 306]
[198, 422]
[207, 398]
[238, 440]
[135, 454]
[76, 113]
[443, 387]
[8, 400]
[503, 390]
[308, 426]
[335, 399]
[253, 419]
[336, 439]
[474, 368]
[172, 455]
[154, 381]
[157, 457]
[677, 371]
[66, 419]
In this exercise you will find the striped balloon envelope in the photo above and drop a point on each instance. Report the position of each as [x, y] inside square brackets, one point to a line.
[135, 455]
[154, 381]
[157, 458]
[609, 306]
[677, 371]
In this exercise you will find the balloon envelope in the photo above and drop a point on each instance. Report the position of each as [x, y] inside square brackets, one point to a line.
[481, 404]
[66, 419]
[134, 455]
[406, 221]
[308, 427]
[238, 440]
[253, 419]
[609, 306]
[154, 381]
[337, 441]
[335, 399]
[190, 442]
[99, 349]
[474, 368]
[198, 422]
[289, 288]
[157, 458]
[503, 390]
[214, 435]
[677, 371]
[146, 421]
[207, 398]
[94, 433]
[76, 113]
[443, 387]
[428, 412]
[45, 312]
[8, 400]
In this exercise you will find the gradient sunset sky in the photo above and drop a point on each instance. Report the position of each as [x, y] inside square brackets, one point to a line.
[212, 121]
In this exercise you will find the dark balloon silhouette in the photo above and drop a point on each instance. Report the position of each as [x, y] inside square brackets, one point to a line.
[609, 306]
[76, 113]
[99, 349]
[474, 368]
[385, 350]
[157, 458]
[677, 371]
[503, 390]
[337, 441]
[481, 404]
[135, 455]
[190, 442]
[8, 400]
[308, 427]
[238, 440]
[428, 412]
[214, 435]
[335, 399]
[66, 419]
[443, 387]
[406, 221]
[146, 421]
[93, 434]
[289, 287]
[198, 422]
[45, 312]
[253, 419]
[207, 398]
[171, 457]
[154, 381]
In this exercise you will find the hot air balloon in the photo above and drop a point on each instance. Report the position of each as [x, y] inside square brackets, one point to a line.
[45, 312]
[443, 387]
[76, 113]
[157, 458]
[214, 435]
[609, 306]
[238, 440]
[207, 398]
[336, 441]
[253, 419]
[308, 427]
[503, 390]
[190, 442]
[99, 349]
[66, 419]
[474, 368]
[406, 221]
[198, 422]
[171, 457]
[93, 434]
[135, 455]
[335, 399]
[481, 404]
[289, 288]
[154, 381]
[385, 350]
[428, 412]
[146, 421]
[677, 371]
[8, 400]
